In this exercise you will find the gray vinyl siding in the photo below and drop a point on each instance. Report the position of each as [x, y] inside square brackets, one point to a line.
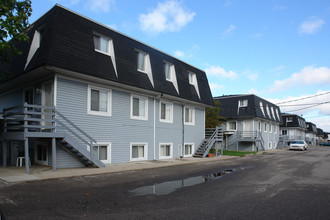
[65, 160]
[11, 99]
[119, 129]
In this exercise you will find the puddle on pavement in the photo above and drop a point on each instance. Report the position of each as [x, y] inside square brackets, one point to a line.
[168, 187]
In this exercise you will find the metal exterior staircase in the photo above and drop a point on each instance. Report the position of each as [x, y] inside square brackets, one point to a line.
[212, 136]
[37, 121]
[245, 136]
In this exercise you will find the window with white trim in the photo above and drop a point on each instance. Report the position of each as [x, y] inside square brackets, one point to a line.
[232, 126]
[102, 152]
[284, 132]
[265, 127]
[270, 128]
[259, 125]
[139, 151]
[273, 114]
[275, 129]
[243, 103]
[139, 107]
[99, 101]
[141, 61]
[188, 149]
[277, 114]
[192, 78]
[289, 119]
[262, 108]
[274, 145]
[165, 150]
[269, 145]
[168, 68]
[268, 112]
[189, 115]
[165, 112]
[102, 44]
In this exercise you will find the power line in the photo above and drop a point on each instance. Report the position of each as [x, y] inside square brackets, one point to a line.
[309, 106]
[318, 116]
[316, 103]
[308, 97]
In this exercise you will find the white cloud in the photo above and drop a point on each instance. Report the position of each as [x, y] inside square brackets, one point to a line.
[229, 31]
[253, 76]
[220, 72]
[100, 5]
[310, 108]
[307, 76]
[311, 25]
[276, 69]
[179, 53]
[168, 16]
[253, 91]
[188, 54]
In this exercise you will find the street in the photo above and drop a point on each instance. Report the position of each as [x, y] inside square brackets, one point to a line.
[271, 185]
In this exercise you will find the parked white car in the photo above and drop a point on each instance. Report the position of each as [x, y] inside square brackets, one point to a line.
[298, 145]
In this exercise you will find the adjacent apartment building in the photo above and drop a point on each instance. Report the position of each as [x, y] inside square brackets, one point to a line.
[251, 123]
[83, 94]
[293, 128]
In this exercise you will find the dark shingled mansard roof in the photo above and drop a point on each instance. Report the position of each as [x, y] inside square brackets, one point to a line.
[67, 43]
[293, 121]
[230, 110]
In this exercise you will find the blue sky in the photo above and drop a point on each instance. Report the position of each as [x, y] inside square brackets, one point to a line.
[276, 49]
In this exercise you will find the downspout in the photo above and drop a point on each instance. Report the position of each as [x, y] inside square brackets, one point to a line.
[182, 148]
[154, 128]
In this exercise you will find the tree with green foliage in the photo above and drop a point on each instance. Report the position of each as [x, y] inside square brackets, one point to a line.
[13, 25]
[212, 118]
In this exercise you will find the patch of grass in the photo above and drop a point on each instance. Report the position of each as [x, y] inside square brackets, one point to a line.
[237, 153]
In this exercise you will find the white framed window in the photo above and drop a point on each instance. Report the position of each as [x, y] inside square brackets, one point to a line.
[270, 128]
[102, 151]
[139, 107]
[189, 115]
[232, 126]
[284, 132]
[165, 150]
[277, 114]
[243, 103]
[165, 112]
[289, 119]
[102, 44]
[268, 112]
[139, 151]
[262, 108]
[265, 127]
[273, 114]
[169, 71]
[141, 61]
[274, 145]
[188, 149]
[275, 129]
[192, 78]
[193, 81]
[99, 101]
[259, 125]
[269, 145]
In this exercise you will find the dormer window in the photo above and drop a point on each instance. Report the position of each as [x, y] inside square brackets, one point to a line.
[192, 78]
[289, 119]
[268, 112]
[168, 67]
[102, 44]
[193, 81]
[143, 64]
[141, 61]
[243, 103]
[262, 108]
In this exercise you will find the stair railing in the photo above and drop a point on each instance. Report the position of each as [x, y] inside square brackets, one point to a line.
[211, 140]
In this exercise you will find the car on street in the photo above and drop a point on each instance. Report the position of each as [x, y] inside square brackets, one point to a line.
[298, 145]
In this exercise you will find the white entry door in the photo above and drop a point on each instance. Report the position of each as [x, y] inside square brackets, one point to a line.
[247, 129]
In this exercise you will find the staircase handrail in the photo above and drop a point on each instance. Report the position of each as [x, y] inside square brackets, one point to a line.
[211, 141]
